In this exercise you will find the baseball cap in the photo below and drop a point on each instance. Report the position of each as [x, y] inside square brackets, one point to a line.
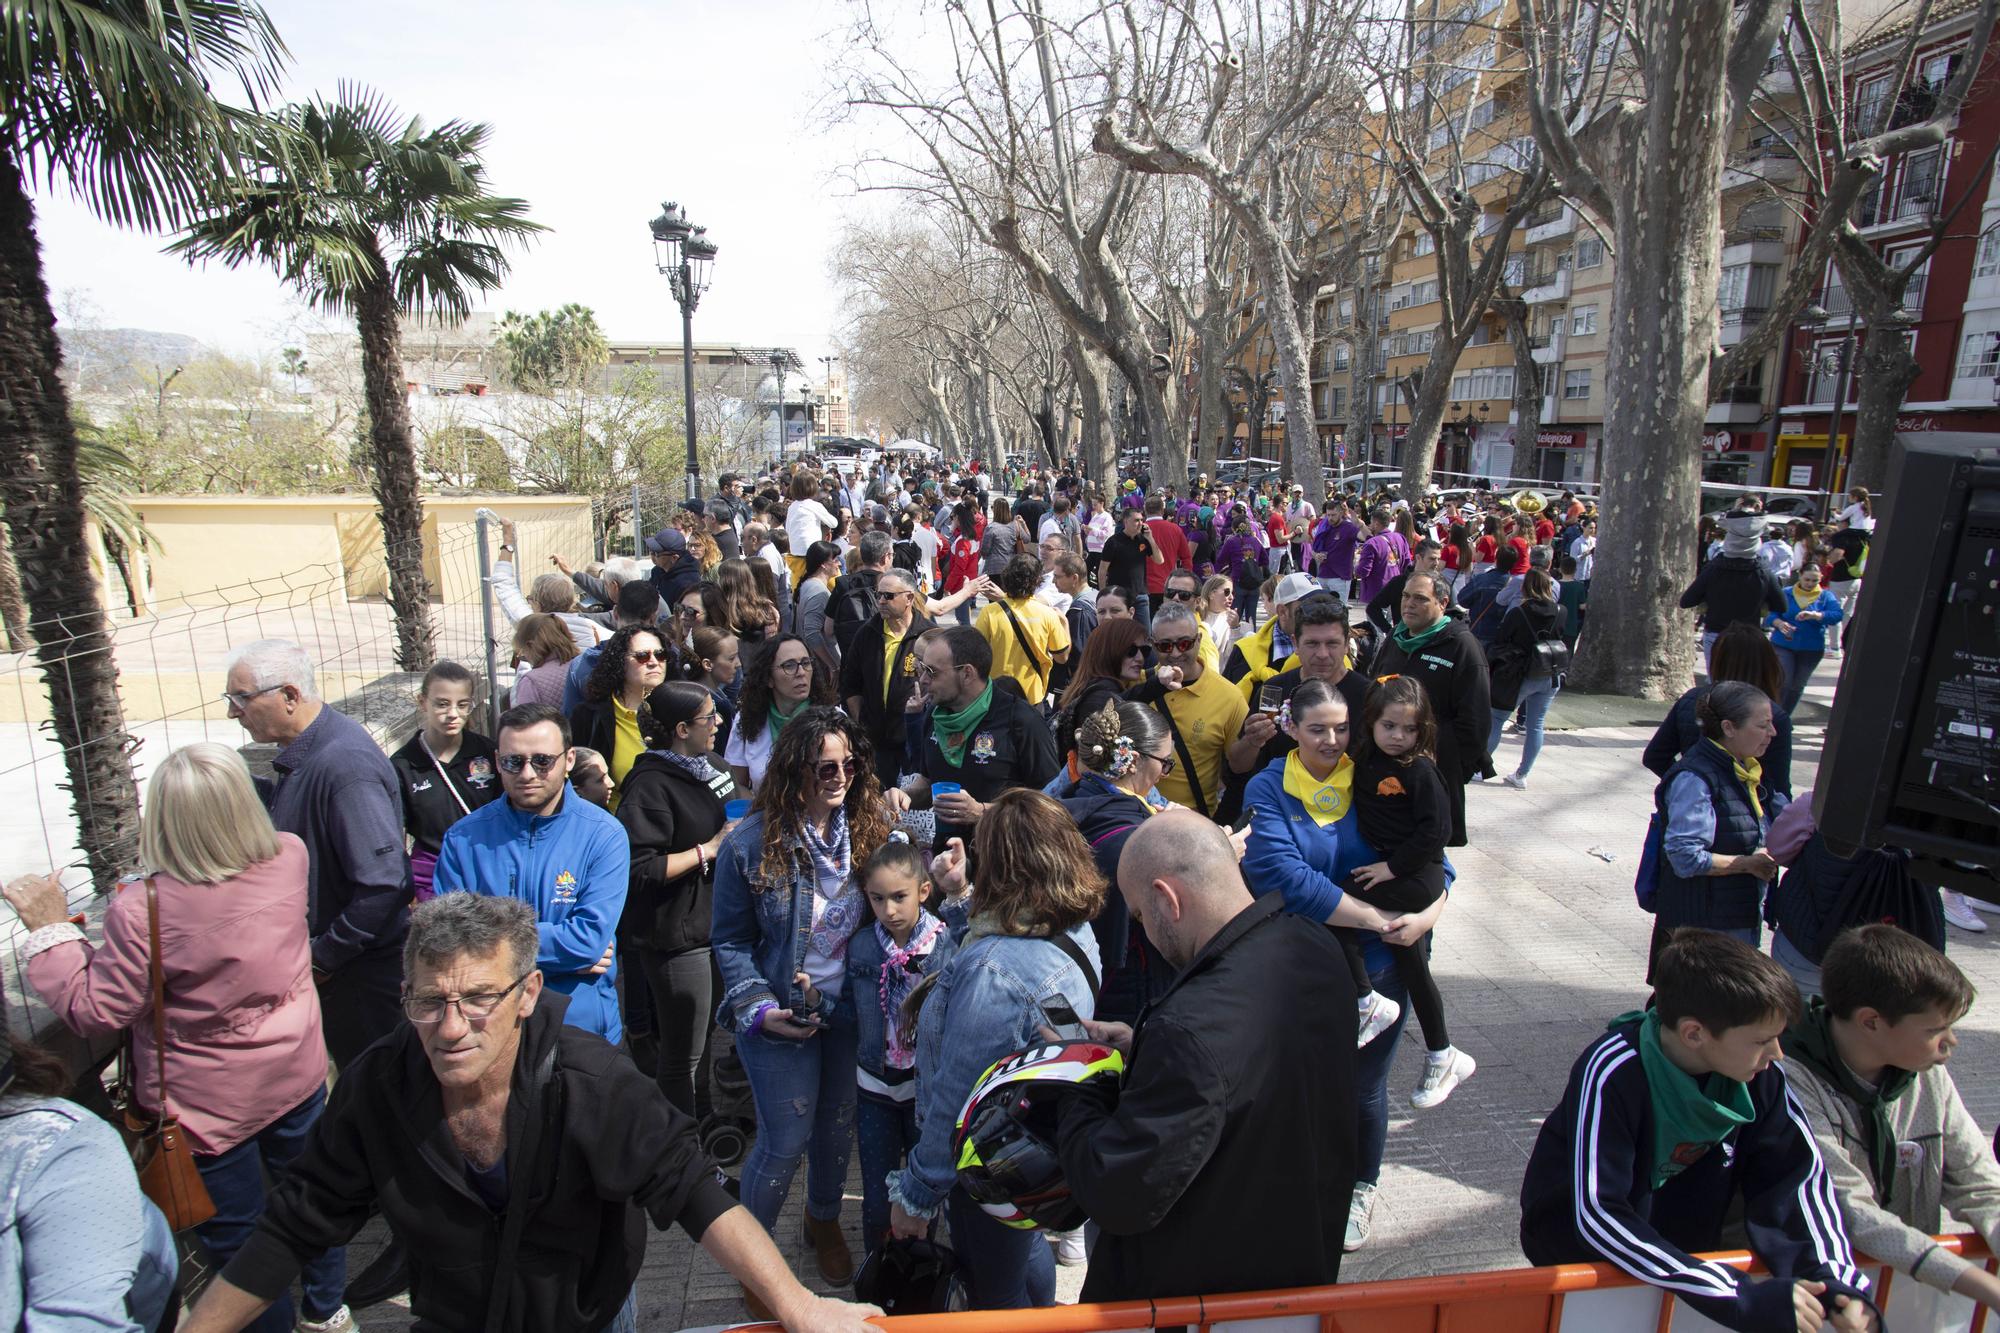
[694, 506]
[1292, 587]
[667, 540]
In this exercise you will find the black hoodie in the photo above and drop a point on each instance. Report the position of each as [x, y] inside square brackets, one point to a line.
[1733, 590]
[665, 809]
[596, 1145]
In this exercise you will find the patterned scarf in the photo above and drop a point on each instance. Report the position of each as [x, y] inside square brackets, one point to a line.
[902, 969]
[695, 765]
[846, 906]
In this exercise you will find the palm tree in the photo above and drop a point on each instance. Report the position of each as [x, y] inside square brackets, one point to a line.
[110, 99]
[375, 217]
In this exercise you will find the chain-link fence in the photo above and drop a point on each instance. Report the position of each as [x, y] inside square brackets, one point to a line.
[226, 571]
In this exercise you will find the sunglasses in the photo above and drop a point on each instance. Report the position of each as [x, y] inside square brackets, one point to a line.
[648, 655]
[514, 763]
[1176, 646]
[1182, 595]
[830, 771]
[1137, 650]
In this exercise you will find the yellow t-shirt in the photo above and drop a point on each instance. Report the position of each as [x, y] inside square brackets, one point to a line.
[1047, 631]
[1209, 716]
[890, 642]
[626, 746]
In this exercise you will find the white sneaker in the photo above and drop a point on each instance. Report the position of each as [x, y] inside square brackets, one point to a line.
[1360, 1217]
[1443, 1071]
[1070, 1249]
[1960, 915]
[1516, 781]
[1378, 1011]
[340, 1321]
[1980, 904]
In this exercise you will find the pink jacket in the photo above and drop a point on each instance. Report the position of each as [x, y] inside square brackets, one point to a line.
[243, 1024]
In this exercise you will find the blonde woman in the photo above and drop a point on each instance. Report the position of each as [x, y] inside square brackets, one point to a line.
[245, 1058]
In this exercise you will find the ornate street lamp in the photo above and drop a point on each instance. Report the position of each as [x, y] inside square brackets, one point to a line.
[684, 253]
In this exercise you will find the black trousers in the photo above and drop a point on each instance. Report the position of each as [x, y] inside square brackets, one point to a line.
[362, 1002]
[1413, 893]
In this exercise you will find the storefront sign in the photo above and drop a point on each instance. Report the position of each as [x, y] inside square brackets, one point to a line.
[1914, 425]
[1801, 475]
[1733, 442]
[1559, 439]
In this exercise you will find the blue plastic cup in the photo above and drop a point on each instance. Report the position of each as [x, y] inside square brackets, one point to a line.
[944, 789]
[735, 809]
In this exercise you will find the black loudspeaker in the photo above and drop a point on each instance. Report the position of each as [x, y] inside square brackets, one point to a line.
[1912, 754]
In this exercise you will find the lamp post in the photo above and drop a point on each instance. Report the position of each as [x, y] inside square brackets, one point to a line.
[778, 365]
[684, 253]
[828, 361]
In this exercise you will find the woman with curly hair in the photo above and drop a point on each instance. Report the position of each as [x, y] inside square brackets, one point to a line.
[780, 681]
[786, 903]
[1029, 942]
[616, 717]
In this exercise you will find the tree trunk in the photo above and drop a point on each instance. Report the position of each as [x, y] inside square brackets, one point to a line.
[13, 611]
[1166, 433]
[393, 454]
[1885, 370]
[1527, 382]
[43, 499]
[1212, 411]
[1100, 443]
[1427, 410]
[1656, 370]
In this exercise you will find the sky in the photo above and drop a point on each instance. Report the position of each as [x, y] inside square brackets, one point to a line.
[600, 111]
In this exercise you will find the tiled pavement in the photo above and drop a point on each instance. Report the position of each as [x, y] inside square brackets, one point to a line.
[1541, 945]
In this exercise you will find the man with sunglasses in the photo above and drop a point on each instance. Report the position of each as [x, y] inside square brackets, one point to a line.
[555, 851]
[978, 737]
[517, 1157]
[879, 673]
[1204, 711]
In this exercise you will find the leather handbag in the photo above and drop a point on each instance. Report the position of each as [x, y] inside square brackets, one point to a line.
[159, 1147]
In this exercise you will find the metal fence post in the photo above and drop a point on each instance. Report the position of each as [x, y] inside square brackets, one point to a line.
[638, 527]
[486, 516]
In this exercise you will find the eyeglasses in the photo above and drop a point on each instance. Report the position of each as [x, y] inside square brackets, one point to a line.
[474, 1009]
[798, 666]
[688, 612]
[241, 698]
[705, 719]
[830, 771]
[1166, 762]
[514, 763]
[1182, 595]
[1176, 646]
[925, 671]
[648, 655]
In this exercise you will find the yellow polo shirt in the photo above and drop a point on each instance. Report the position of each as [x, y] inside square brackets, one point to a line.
[890, 642]
[626, 747]
[1047, 631]
[1209, 716]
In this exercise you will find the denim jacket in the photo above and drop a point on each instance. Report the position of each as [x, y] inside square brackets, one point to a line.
[984, 1006]
[759, 932]
[864, 983]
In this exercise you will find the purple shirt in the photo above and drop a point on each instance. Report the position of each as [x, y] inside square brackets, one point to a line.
[1335, 545]
[1383, 557]
[1241, 555]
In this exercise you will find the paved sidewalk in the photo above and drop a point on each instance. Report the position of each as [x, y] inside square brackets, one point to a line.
[1541, 946]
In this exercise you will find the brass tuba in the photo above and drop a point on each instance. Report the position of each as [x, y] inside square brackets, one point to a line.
[1529, 502]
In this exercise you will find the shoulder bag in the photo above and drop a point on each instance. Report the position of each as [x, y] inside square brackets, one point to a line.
[160, 1151]
[1027, 644]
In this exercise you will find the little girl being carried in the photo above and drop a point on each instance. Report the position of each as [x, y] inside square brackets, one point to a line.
[1405, 814]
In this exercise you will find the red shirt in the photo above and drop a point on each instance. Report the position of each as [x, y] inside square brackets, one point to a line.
[1544, 531]
[1450, 556]
[1520, 545]
[1171, 543]
[1483, 549]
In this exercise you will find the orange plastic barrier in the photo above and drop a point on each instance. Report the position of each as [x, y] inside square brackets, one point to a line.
[1571, 1298]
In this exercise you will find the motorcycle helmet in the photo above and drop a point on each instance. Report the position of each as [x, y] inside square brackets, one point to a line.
[1006, 1137]
[907, 1276]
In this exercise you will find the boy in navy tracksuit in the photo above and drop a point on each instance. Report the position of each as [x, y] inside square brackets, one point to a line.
[1669, 1118]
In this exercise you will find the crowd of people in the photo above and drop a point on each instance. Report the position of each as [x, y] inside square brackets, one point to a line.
[857, 789]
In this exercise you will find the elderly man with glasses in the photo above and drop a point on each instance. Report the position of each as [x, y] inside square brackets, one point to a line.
[555, 851]
[878, 674]
[1204, 711]
[517, 1156]
[333, 788]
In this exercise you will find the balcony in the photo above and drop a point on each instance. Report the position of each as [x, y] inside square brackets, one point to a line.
[1552, 225]
[1737, 321]
[1546, 285]
[1547, 348]
[1738, 405]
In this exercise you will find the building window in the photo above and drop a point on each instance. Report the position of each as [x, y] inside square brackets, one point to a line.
[1423, 244]
[1589, 252]
[1870, 96]
[1988, 262]
[1487, 382]
[1979, 356]
[1583, 320]
[1576, 384]
[1917, 197]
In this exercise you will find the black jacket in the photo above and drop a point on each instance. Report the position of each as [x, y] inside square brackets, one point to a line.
[1680, 732]
[595, 724]
[665, 810]
[429, 804]
[599, 1144]
[1253, 1043]
[1733, 590]
[1134, 972]
[1452, 669]
[1353, 687]
[861, 678]
[1512, 656]
[1011, 747]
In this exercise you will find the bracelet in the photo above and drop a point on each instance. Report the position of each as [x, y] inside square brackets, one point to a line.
[757, 1015]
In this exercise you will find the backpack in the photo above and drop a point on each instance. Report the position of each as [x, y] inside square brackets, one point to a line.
[1653, 853]
[854, 600]
[1878, 888]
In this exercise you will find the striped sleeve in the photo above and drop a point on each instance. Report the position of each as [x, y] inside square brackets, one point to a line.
[1607, 1139]
[1789, 1206]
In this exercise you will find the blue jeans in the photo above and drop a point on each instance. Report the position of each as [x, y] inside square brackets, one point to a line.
[885, 1132]
[805, 1101]
[627, 1318]
[1535, 697]
[1003, 1268]
[235, 1181]
[1798, 670]
[1142, 611]
[1371, 1073]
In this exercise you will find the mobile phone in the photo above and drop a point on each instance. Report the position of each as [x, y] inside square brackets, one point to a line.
[1062, 1020]
[1270, 697]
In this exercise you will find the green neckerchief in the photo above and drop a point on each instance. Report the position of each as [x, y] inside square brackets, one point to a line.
[1410, 643]
[1810, 1042]
[1690, 1115]
[945, 726]
[777, 720]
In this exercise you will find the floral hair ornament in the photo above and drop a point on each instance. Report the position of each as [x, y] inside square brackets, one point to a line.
[1124, 757]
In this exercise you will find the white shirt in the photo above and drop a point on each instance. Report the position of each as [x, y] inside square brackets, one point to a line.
[1584, 551]
[751, 755]
[806, 522]
[1048, 528]
[1856, 517]
[770, 556]
[926, 539]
